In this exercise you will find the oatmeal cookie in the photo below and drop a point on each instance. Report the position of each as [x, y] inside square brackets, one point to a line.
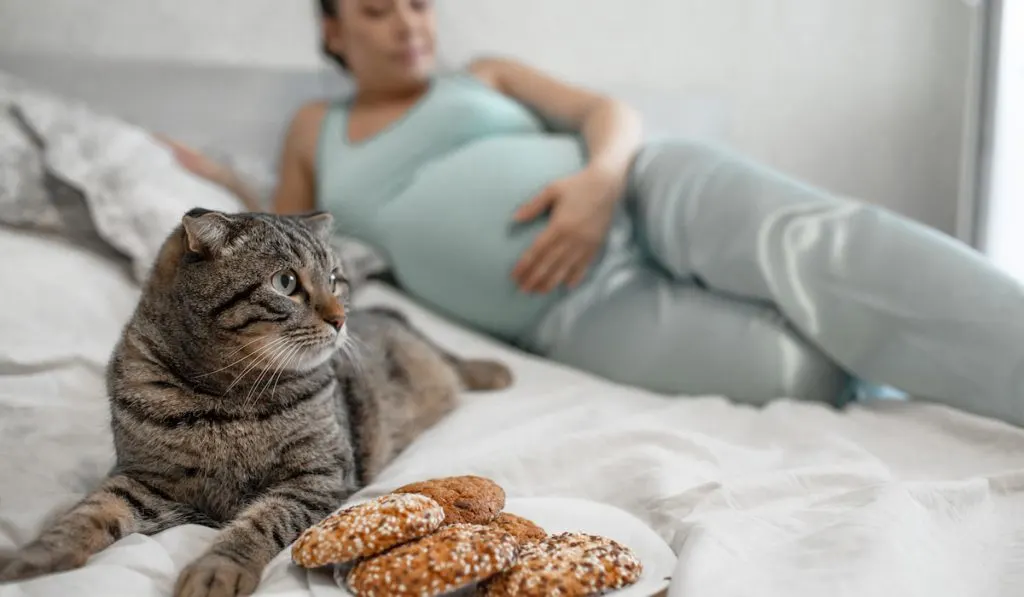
[525, 531]
[568, 565]
[367, 529]
[465, 499]
[450, 559]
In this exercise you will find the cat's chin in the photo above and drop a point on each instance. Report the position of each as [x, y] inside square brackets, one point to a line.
[341, 337]
[313, 358]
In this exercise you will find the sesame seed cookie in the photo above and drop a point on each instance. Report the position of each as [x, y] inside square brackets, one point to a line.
[465, 499]
[367, 529]
[454, 557]
[568, 565]
[525, 531]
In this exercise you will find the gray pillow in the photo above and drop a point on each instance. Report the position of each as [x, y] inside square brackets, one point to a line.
[33, 197]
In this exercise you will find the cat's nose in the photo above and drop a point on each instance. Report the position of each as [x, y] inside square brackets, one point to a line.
[335, 321]
[333, 312]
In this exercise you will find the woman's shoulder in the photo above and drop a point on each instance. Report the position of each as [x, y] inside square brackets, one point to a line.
[487, 70]
[493, 70]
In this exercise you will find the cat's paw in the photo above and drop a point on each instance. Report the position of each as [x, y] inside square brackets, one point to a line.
[216, 576]
[30, 563]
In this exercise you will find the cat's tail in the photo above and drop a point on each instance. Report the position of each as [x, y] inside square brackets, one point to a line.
[476, 375]
[481, 375]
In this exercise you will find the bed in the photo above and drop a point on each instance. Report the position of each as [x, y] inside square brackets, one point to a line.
[792, 499]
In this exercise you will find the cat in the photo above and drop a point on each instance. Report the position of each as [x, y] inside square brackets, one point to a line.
[245, 396]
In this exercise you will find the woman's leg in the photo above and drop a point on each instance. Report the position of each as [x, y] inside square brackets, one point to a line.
[891, 300]
[667, 336]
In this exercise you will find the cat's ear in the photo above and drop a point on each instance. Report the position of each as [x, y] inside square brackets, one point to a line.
[206, 232]
[320, 223]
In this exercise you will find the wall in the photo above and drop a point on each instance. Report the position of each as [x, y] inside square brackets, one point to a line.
[253, 32]
[865, 97]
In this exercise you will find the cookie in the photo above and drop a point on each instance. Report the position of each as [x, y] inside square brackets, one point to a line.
[569, 565]
[524, 531]
[367, 529]
[466, 499]
[454, 557]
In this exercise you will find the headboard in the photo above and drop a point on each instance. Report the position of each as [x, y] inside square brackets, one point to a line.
[244, 110]
[235, 109]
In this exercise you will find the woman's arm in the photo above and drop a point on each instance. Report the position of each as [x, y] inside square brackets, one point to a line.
[296, 187]
[612, 129]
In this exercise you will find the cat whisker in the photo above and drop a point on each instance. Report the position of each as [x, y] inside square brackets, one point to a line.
[355, 341]
[263, 353]
[252, 395]
[254, 356]
[287, 363]
[282, 359]
[350, 348]
[276, 374]
[311, 339]
[254, 391]
[250, 343]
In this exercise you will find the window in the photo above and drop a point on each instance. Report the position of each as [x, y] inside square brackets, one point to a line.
[1001, 213]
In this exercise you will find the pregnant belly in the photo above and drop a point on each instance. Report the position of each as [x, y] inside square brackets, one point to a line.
[450, 235]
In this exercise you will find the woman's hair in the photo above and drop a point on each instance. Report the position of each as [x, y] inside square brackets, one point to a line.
[329, 9]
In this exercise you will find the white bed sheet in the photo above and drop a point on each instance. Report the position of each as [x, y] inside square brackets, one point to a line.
[790, 500]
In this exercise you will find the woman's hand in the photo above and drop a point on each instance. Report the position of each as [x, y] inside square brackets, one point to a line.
[582, 207]
[196, 162]
[202, 166]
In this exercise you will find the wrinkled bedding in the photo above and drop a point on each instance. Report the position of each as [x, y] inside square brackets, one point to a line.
[790, 500]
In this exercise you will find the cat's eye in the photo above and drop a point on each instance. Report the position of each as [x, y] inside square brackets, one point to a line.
[285, 282]
[338, 283]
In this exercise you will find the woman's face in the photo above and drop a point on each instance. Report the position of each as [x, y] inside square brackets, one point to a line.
[386, 43]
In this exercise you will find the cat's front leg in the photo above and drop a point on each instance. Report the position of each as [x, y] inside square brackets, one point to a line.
[119, 507]
[234, 563]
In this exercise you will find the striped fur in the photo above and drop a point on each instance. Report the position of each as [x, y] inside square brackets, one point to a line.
[241, 407]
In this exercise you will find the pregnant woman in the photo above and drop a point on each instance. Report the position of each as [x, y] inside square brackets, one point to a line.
[531, 210]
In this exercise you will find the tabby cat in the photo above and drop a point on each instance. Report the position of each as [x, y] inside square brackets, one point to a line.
[245, 397]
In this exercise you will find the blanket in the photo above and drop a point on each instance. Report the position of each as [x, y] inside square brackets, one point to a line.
[791, 500]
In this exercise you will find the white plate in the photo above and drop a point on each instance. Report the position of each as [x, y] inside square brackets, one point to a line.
[558, 515]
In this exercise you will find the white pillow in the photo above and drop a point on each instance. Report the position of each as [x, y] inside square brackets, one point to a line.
[61, 305]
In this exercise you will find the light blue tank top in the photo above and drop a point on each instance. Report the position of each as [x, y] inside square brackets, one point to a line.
[435, 192]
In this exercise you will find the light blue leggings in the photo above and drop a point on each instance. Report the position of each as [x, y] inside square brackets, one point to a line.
[759, 286]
